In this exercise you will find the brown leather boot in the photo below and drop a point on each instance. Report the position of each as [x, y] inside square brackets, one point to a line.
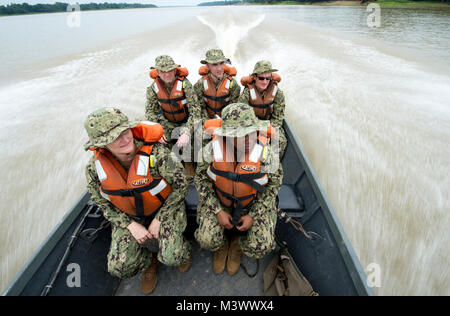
[220, 258]
[234, 256]
[184, 267]
[149, 278]
[190, 171]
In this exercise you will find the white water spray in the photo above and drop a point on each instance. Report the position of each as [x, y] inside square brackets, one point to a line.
[230, 28]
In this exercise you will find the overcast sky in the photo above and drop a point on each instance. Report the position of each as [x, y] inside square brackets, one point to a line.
[156, 2]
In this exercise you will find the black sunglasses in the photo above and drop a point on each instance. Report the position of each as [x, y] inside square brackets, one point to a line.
[264, 78]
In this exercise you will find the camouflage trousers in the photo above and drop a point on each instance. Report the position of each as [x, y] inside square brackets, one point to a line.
[282, 141]
[127, 257]
[258, 242]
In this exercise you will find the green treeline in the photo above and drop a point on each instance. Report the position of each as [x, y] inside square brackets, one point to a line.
[282, 2]
[220, 3]
[310, 1]
[231, 2]
[25, 8]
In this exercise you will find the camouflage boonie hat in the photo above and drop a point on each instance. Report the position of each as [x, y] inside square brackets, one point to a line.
[214, 56]
[104, 125]
[164, 63]
[263, 66]
[238, 120]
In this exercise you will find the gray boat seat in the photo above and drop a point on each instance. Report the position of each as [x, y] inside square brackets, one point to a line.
[288, 200]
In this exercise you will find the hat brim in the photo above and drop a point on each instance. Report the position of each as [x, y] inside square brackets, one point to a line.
[112, 135]
[166, 69]
[263, 72]
[214, 61]
[241, 131]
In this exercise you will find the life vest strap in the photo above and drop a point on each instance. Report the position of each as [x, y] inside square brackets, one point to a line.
[262, 106]
[172, 101]
[265, 107]
[216, 110]
[219, 99]
[235, 199]
[244, 178]
[178, 121]
[173, 112]
[142, 153]
[183, 110]
[137, 194]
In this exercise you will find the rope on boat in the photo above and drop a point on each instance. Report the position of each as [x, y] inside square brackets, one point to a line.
[251, 275]
[90, 234]
[296, 224]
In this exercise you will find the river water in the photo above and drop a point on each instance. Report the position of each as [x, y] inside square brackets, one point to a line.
[371, 106]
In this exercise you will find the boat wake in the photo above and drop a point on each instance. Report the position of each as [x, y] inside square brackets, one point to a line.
[230, 28]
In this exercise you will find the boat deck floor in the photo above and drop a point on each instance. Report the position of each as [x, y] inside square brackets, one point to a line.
[201, 280]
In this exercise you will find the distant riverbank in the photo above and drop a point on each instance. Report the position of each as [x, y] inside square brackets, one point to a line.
[415, 4]
[58, 7]
[382, 3]
[25, 8]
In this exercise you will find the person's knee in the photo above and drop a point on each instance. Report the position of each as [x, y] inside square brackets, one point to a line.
[118, 272]
[173, 258]
[258, 250]
[260, 241]
[174, 248]
[209, 240]
[126, 269]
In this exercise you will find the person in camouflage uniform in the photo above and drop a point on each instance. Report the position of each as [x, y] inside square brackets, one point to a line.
[261, 79]
[258, 219]
[166, 68]
[127, 255]
[215, 61]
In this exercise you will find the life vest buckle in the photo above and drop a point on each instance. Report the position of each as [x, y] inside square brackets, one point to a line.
[126, 192]
[235, 177]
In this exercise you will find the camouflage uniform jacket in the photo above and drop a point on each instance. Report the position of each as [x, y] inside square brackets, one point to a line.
[263, 202]
[166, 166]
[152, 109]
[279, 105]
[235, 91]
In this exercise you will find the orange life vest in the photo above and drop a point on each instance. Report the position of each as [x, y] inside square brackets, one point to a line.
[216, 100]
[173, 105]
[262, 105]
[135, 193]
[237, 182]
